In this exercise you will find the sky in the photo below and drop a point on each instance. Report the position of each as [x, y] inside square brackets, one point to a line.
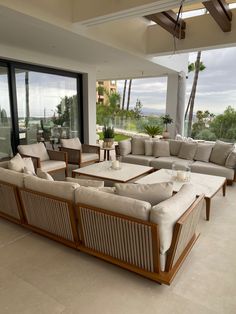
[216, 84]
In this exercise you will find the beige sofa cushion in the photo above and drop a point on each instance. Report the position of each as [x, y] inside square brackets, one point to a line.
[73, 143]
[16, 163]
[35, 150]
[85, 182]
[115, 203]
[212, 169]
[138, 159]
[220, 152]
[203, 152]
[12, 177]
[152, 193]
[125, 147]
[231, 160]
[167, 162]
[51, 165]
[29, 166]
[161, 149]
[59, 189]
[166, 214]
[148, 147]
[175, 147]
[44, 175]
[138, 145]
[187, 150]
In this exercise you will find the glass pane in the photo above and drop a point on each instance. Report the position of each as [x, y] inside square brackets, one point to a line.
[47, 107]
[5, 116]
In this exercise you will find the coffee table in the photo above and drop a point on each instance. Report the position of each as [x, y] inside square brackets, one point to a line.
[204, 184]
[104, 171]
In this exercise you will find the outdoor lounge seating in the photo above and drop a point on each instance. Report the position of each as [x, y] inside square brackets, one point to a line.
[48, 160]
[152, 241]
[80, 154]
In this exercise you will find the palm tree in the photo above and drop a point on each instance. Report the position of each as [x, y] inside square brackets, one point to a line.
[129, 92]
[123, 98]
[197, 67]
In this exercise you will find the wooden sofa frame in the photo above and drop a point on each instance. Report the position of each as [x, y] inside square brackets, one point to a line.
[128, 242]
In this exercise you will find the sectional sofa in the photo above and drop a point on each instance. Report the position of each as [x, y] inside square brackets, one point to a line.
[217, 158]
[152, 240]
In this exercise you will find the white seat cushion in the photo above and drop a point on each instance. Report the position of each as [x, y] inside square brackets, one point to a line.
[86, 182]
[51, 165]
[59, 189]
[35, 150]
[71, 143]
[166, 162]
[212, 169]
[120, 204]
[166, 214]
[138, 159]
[89, 157]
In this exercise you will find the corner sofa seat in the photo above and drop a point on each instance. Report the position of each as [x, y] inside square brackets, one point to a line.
[212, 169]
[138, 159]
[166, 162]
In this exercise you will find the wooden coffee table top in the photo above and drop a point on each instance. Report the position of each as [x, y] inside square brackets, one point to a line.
[103, 170]
[203, 183]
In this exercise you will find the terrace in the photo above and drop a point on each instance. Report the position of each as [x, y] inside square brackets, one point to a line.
[51, 55]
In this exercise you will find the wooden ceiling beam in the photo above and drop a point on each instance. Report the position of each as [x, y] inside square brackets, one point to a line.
[220, 12]
[168, 21]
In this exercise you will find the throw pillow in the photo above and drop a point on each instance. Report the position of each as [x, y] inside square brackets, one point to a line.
[220, 152]
[161, 149]
[152, 193]
[187, 150]
[85, 182]
[175, 147]
[16, 163]
[125, 147]
[138, 146]
[148, 147]
[28, 166]
[203, 152]
[231, 160]
[44, 175]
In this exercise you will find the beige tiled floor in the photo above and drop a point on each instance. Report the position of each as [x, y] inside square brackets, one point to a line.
[38, 275]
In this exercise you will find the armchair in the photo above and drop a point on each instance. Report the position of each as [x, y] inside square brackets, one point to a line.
[80, 154]
[48, 160]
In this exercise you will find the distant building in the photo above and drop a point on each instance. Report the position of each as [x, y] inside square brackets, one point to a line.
[110, 86]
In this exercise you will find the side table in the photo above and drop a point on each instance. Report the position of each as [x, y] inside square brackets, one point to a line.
[107, 152]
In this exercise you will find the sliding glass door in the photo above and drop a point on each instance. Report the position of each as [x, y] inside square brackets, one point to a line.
[5, 116]
[47, 106]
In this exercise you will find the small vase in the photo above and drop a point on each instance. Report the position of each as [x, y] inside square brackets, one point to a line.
[166, 135]
[108, 142]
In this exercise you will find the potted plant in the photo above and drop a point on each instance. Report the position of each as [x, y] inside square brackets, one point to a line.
[166, 119]
[108, 136]
[152, 130]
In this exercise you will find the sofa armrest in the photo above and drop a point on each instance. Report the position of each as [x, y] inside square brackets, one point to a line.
[57, 155]
[36, 160]
[73, 155]
[91, 149]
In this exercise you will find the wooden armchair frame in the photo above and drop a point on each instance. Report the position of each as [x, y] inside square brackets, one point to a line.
[133, 244]
[75, 155]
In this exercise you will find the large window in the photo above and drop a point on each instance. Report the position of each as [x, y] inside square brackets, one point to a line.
[45, 106]
[5, 115]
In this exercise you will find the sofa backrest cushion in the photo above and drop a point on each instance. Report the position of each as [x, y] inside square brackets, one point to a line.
[153, 193]
[115, 203]
[125, 147]
[59, 189]
[73, 143]
[175, 147]
[231, 160]
[86, 182]
[203, 152]
[167, 213]
[161, 149]
[138, 145]
[187, 150]
[35, 150]
[12, 177]
[148, 147]
[16, 163]
[220, 152]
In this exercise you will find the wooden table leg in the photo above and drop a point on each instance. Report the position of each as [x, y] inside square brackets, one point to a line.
[73, 174]
[224, 188]
[208, 208]
[108, 155]
[104, 154]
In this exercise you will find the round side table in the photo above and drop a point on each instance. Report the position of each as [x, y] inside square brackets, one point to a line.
[107, 152]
